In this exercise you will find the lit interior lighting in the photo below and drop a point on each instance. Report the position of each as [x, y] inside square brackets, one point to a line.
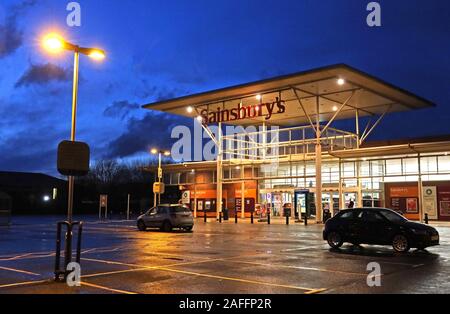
[189, 109]
[341, 81]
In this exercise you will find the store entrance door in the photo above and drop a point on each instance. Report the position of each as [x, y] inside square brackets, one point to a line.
[301, 204]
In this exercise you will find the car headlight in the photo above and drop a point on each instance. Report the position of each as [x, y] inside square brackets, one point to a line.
[419, 232]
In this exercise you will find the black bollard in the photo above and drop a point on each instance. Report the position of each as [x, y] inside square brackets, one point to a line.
[220, 217]
[426, 218]
[268, 217]
[251, 217]
[306, 219]
[287, 220]
[204, 216]
[235, 217]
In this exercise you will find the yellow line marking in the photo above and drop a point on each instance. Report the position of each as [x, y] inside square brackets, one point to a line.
[16, 257]
[26, 283]
[165, 268]
[106, 288]
[299, 267]
[315, 291]
[143, 267]
[237, 279]
[140, 267]
[19, 271]
[114, 272]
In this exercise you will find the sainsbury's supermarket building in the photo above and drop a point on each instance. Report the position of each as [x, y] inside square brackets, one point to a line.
[296, 156]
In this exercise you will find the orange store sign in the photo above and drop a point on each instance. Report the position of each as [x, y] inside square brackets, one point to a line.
[404, 191]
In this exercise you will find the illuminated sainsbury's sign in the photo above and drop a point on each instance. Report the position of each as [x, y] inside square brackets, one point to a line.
[240, 112]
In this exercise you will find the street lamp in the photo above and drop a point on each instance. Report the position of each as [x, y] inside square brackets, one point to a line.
[55, 44]
[160, 153]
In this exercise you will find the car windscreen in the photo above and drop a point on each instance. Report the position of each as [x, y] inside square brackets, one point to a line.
[393, 216]
[179, 209]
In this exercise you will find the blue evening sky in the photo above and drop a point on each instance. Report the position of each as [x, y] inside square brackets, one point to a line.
[162, 49]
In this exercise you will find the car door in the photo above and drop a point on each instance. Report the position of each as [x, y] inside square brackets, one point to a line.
[377, 228]
[161, 215]
[149, 217]
[355, 228]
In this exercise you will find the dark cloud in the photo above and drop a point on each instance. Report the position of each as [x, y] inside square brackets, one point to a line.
[43, 74]
[147, 90]
[141, 134]
[120, 109]
[11, 37]
[33, 149]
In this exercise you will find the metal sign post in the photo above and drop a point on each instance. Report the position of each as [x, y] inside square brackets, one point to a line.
[128, 207]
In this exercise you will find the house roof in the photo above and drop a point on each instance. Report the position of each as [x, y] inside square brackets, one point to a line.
[28, 179]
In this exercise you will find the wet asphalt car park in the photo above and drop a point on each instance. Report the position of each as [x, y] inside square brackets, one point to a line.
[224, 258]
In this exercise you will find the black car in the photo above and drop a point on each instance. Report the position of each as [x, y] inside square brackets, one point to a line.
[378, 226]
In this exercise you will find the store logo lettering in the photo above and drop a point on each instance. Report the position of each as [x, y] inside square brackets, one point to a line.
[239, 113]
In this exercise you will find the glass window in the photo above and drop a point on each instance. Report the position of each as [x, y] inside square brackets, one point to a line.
[410, 165]
[428, 164]
[444, 163]
[347, 214]
[371, 216]
[162, 210]
[393, 216]
[179, 209]
[393, 166]
[151, 211]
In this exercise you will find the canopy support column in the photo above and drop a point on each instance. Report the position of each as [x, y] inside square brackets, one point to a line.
[318, 165]
[340, 187]
[219, 171]
[420, 190]
[242, 193]
[195, 200]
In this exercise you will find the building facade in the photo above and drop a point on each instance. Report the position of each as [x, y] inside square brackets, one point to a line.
[295, 156]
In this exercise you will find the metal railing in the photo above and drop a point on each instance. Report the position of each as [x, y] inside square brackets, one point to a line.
[277, 143]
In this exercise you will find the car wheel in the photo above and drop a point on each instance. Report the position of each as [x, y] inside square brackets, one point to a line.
[400, 243]
[334, 240]
[141, 225]
[167, 226]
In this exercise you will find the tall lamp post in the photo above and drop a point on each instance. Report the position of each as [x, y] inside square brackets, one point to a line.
[55, 44]
[160, 153]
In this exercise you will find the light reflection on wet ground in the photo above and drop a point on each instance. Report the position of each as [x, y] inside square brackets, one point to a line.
[214, 258]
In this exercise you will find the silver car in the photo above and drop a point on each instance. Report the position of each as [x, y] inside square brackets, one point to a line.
[166, 217]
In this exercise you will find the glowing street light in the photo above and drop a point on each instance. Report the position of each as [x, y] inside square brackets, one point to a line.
[54, 43]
